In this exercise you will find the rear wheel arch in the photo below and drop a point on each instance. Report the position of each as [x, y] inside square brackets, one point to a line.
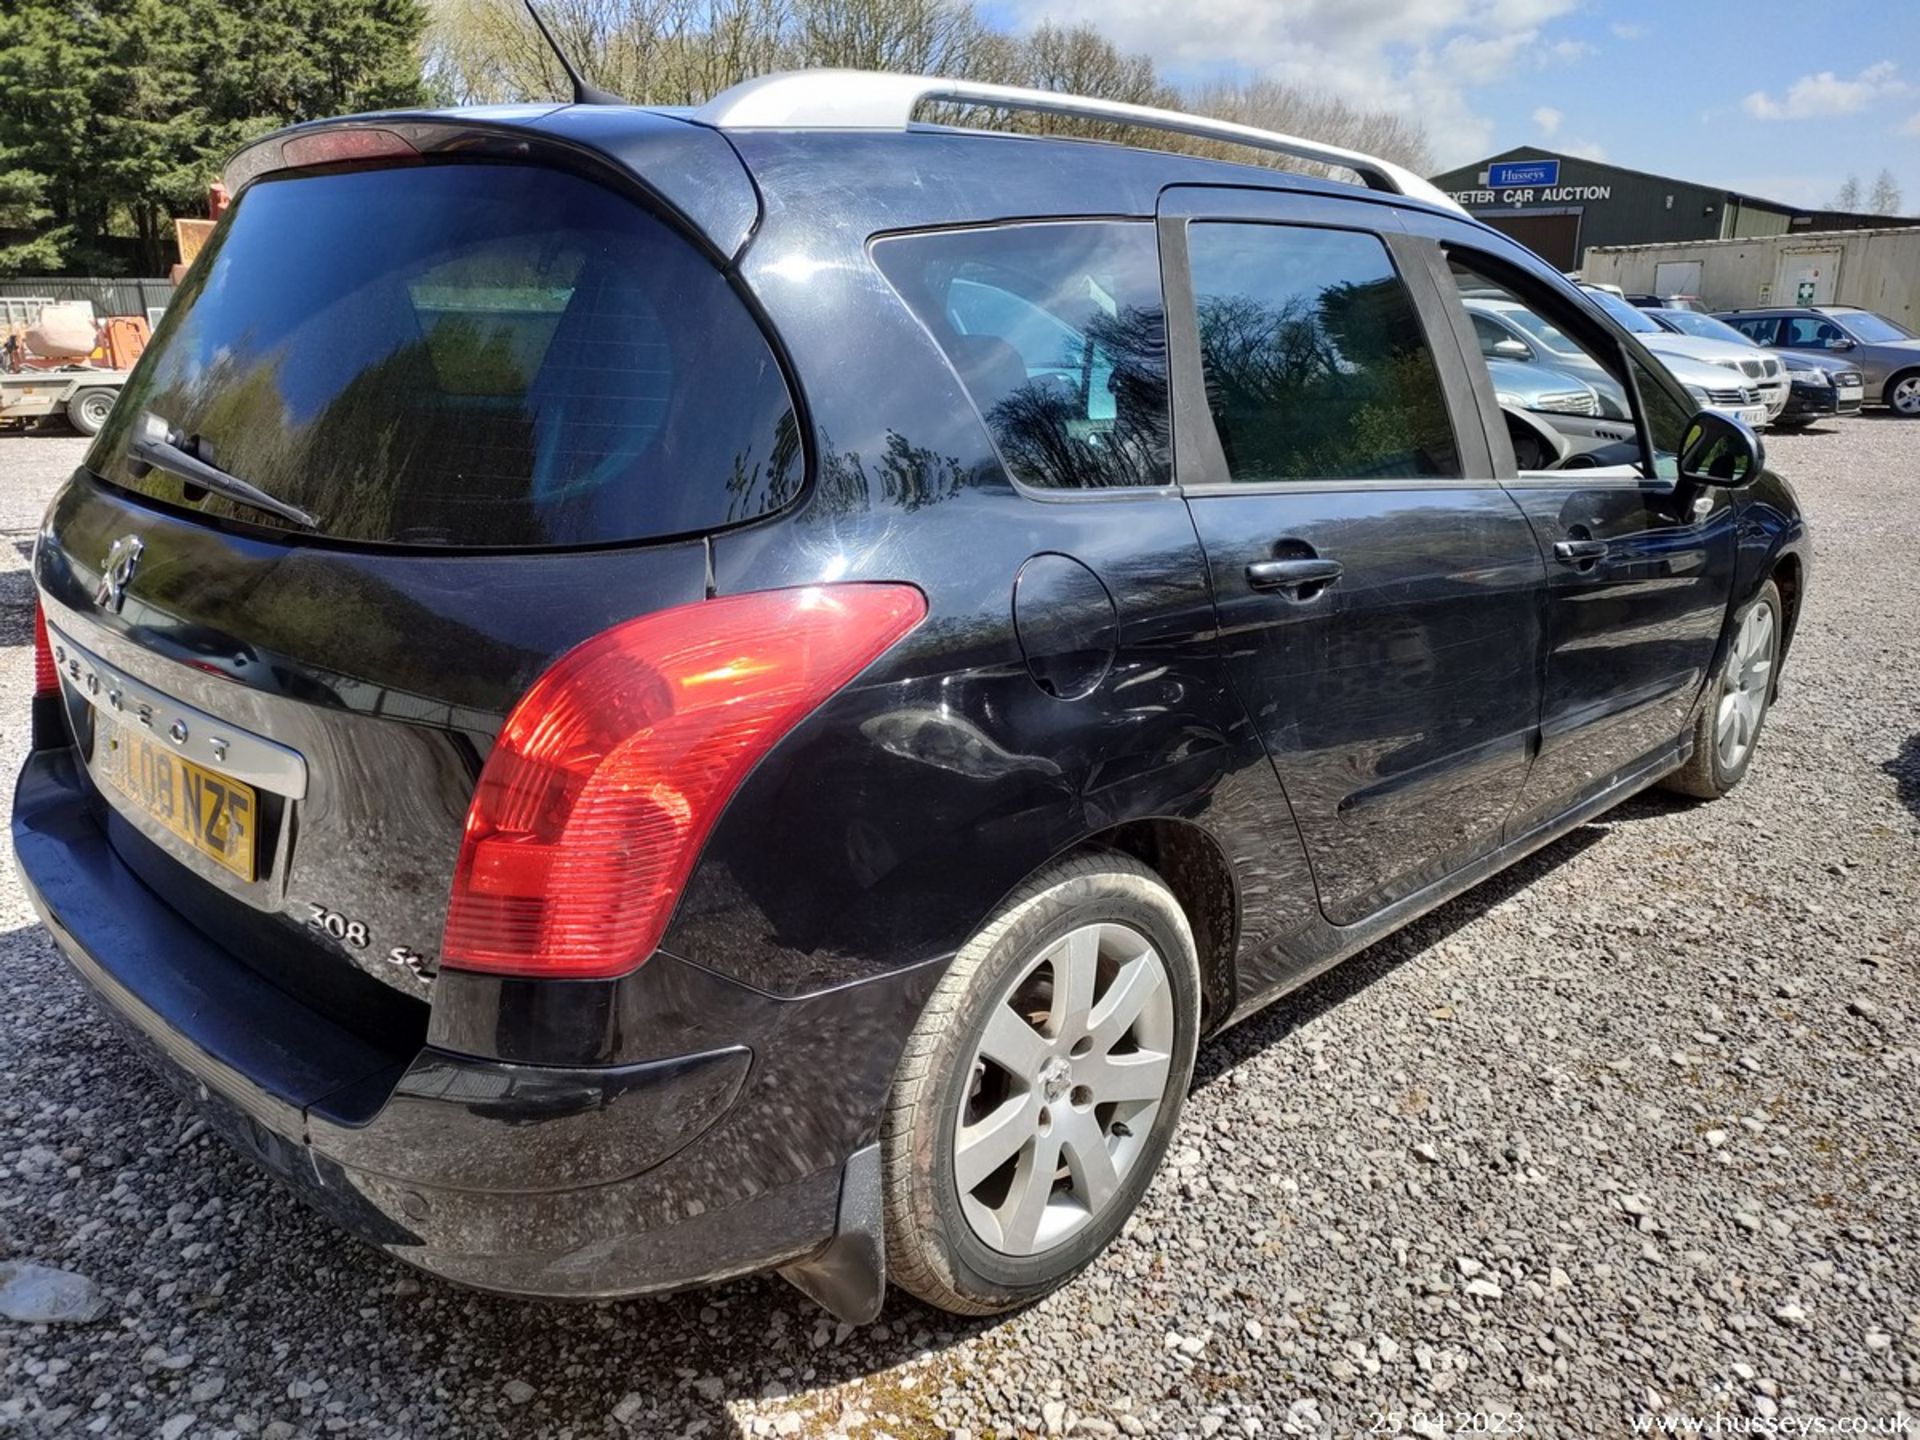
[1788, 576]
[1197, 871]
[1894, 382]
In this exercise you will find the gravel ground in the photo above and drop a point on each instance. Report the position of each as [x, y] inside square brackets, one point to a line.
[1627, 1130]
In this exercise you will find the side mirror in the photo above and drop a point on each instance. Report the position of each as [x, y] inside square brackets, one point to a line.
[1840, 343]
[1720, 450]
[1511, 349]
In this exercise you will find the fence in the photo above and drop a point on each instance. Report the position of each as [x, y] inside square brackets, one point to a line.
[110, 295]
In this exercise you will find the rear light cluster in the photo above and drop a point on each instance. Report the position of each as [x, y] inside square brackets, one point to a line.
[355, 144]
[46, 674]
[334, 147]
[611, 771]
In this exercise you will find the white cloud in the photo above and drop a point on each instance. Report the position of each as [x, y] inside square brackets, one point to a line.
[1628, 32]
[1419, 58]
[1548, 119]
[1912, 127]
[1827, 94]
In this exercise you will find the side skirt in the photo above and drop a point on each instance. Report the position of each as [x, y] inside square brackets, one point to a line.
[1322, 946]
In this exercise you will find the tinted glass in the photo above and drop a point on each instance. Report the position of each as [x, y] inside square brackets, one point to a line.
[1629, 317]
[1316, 366]
[1491, 335]
[1058, 333]
[1761, 329]
[489, 355]
[1875, 329]
[1569, 407]
[1810, 330]
[1548, 335]
[1666, 420]
[1692, 322]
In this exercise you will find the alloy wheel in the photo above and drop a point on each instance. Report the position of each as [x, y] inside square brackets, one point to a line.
[1749, 681]
[1906, 396]
[1068, 1074]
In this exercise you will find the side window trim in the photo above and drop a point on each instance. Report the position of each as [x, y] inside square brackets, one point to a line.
[1496, 446]
[1456, 349]
[1196, 442]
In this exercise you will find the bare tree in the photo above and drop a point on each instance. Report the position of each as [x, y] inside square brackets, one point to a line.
[916, 37]
[1270, 105]
[487, 51]
[1847, 197]
[1885, 199]
[681, 52]
[1075, 60]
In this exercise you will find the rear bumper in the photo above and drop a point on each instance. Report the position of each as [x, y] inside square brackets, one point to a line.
[576, 1182]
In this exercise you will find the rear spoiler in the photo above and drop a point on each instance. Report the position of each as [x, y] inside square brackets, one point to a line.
[691, 174]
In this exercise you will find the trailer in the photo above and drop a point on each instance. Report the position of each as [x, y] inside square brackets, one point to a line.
[83, 394]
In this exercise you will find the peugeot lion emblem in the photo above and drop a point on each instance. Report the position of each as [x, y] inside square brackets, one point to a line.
[123, 558]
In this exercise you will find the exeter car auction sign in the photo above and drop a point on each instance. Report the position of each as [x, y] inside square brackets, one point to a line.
[1527, 182]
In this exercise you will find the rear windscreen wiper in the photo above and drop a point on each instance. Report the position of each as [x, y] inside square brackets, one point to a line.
[156, 444]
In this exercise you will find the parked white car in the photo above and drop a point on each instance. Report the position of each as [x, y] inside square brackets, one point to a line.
[1762, 372]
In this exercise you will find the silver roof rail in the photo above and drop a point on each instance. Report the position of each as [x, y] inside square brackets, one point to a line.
[877, 100]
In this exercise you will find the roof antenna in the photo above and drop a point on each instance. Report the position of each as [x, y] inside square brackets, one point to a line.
[583, 93]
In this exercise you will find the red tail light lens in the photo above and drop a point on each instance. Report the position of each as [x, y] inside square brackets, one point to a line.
[46, 675]
[335, 146]
[612, 769]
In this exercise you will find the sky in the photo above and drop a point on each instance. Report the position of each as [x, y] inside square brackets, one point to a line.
[1768, 97]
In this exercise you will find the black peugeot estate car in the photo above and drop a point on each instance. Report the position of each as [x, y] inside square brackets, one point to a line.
[630, 697]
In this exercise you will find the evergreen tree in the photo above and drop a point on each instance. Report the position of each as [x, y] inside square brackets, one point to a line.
[115, 115]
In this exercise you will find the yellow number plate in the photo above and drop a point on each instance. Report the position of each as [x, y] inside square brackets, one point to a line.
[211, 813]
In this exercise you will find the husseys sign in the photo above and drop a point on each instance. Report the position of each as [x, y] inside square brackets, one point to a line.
[1527, 182]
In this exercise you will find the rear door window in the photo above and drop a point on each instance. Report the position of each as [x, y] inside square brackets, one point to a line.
[1058, 333]
[1316, 365]
[1761, 329]
[1810, 330]
[464, 355]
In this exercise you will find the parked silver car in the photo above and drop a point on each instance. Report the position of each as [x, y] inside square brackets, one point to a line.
[1510, 331]
[1883, 350]
[1820, 384]
[1761, 372]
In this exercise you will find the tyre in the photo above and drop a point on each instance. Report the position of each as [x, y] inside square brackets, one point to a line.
[1039, 1091]
[1903, 395]
[88, 410]
[1728, 730]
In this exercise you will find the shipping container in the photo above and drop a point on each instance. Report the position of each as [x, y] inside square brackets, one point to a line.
[1877, 270]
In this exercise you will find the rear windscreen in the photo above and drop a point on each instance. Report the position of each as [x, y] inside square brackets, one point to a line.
[464, 355]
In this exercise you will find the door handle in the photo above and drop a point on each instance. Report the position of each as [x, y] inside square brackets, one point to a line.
[1294, 576]
[1579, 552]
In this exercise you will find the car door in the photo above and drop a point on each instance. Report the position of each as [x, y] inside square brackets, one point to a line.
[1813, 334]
[1639, 565]
[1378, 591]
[1761, 329]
